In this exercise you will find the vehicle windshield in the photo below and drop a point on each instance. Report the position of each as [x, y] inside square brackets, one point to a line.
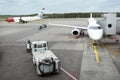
[44, 44]
[94, 27]
[39, 46]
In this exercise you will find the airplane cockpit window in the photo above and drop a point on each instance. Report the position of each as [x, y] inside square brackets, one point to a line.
[94, 27]
[99, 27]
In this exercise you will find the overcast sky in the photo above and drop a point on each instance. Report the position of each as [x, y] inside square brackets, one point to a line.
[16, 7]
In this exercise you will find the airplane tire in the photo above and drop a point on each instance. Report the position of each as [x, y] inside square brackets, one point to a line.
[82, 34]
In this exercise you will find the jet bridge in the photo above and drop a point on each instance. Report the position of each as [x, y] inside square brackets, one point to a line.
[109, 23]
[118, 26]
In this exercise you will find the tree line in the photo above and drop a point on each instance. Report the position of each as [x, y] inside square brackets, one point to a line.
[65, 15]
[77, 15]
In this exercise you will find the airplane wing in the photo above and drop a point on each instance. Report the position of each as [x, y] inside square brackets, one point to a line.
[70, 26]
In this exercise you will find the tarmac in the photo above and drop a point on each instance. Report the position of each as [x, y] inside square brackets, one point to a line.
[104, 69]
[77, 55]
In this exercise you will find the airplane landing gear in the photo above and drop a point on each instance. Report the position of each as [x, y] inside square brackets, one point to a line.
[82, 33]
[94, 43]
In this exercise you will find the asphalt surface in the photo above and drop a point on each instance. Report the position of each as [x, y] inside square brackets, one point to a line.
[16, 63]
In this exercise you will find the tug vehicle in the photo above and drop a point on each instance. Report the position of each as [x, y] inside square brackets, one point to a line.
[46, 62]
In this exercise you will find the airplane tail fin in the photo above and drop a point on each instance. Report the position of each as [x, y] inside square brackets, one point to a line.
[41, 12]
[91, 15]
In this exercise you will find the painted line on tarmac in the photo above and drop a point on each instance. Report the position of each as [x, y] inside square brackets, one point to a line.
[96, 54]
[11, 45]
[68, 73]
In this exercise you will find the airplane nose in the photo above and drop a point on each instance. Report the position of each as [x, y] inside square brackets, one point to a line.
[9, 19]
[95, 34]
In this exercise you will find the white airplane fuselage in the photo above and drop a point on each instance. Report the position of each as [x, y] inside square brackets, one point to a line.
[26, 19]
[16, 19]
[95, 31]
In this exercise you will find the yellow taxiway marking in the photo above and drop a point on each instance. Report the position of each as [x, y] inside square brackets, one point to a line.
[95, 51]
[96, 54]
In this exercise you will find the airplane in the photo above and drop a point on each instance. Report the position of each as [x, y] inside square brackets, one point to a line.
[26, 19]
[94, 29]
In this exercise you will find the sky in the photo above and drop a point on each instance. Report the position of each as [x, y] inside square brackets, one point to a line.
[20, 7]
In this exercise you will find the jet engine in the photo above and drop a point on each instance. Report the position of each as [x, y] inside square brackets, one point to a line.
[75, 32]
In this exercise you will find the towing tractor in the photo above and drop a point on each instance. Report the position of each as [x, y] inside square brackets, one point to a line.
[45, 60]
[42, 26]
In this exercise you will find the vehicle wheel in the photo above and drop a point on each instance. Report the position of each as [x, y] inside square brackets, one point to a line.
[45, 25]
[40, 27]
